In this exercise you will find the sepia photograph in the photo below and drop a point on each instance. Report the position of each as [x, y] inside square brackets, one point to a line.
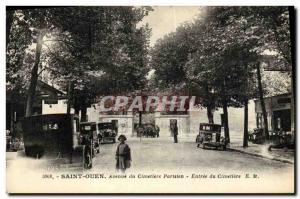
[150, 100]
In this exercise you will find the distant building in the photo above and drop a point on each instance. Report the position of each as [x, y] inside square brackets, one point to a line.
[124, 120]
[278, 110]
[188, 122]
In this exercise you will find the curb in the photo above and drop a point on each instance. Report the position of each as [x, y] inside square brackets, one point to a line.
[262, 156]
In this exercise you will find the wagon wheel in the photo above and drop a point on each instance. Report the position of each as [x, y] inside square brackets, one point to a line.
[88, 160]
[223, 147]
[96, 148]
[28, 151]
[198, 142]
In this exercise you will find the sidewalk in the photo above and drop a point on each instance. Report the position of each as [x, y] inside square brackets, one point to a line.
[259, 150]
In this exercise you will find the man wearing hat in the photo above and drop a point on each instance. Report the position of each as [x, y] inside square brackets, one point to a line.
[174, 130]
[123, 154]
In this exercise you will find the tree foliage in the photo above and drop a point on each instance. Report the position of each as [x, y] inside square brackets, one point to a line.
[98, 49]
[216, 56]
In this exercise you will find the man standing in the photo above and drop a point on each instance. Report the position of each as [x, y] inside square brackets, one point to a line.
[157, 130]
[174, 130]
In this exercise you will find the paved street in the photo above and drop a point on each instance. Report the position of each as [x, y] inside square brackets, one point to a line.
[162, 153]
[156, 154]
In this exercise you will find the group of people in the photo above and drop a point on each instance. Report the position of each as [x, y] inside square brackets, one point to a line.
[123, 152]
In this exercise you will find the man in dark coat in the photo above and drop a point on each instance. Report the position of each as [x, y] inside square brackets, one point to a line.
[174, 130]
[157, 130]
[123, 154]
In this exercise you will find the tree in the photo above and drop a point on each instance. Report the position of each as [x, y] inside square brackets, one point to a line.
[214, 57]
[9, 22]
[35, 20]
[113, 52]
[270, 27]
[113, 49]
[18, 39]
[170, 59]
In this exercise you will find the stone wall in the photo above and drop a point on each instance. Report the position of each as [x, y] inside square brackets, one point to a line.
[163, 122]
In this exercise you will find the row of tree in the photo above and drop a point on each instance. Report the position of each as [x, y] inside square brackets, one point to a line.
[92, 51]
[87, 51]
[218, 57]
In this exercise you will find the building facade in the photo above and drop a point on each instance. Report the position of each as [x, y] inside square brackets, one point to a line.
[278, 110]
[46, 97]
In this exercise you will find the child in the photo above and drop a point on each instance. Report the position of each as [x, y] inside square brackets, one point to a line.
[123, 154]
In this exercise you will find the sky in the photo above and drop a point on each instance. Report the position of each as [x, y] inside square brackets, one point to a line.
[165, 19]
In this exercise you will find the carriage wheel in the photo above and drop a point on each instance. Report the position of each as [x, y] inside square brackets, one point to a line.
[28, 151]
[34, 151]
[88, 160]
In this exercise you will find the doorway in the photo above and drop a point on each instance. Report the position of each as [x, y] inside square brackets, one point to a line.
[282, 119]
[115, 125]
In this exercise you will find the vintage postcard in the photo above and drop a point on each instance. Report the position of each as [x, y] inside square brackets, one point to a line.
[150, 99]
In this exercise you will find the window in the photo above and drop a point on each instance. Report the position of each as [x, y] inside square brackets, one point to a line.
[259, 120]
[284, 100]
[86, 128]
[50, 101]
[210, 128]
[50, 126]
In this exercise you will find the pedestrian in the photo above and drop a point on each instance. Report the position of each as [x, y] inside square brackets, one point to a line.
[174, 130]
[123, 154]
[157, 130]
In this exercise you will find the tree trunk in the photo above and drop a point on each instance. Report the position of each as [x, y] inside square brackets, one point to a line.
[12, 119]
[226, 126]
[293, 110]
[225, 112]
[292, 62]
[83, 114]
[9, 21]
[210, 114]
[245, 141]
[76, 110]
[70, 96]
[34, 74]
[262, 102]
[140, 118]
